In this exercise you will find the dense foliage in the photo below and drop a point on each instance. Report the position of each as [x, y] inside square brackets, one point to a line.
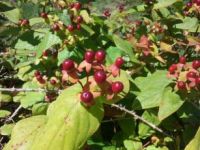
[100, 74]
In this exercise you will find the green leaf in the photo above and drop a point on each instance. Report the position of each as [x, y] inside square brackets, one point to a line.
[190, 24]
[128, 127]
[65, 18]
[67, 126]
[24, 133]
[112, 53]
[6, 129]
[169, 104]
[64, 54]
[40, 109]
[87, 19]
[13, 15]
[164, 3]
[151, 90]
[5, 97]
[48, 41]
[29, 10]
[132, 145]
[31, 98]
[4, 113]
[195, 142]
[144, 130]
[125, 46]
[88, 29]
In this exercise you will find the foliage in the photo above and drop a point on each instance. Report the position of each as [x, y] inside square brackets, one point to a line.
[65, 65]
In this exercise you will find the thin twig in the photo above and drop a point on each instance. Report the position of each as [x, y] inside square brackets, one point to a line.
[14, 114]
[132, 113]
[27, 90]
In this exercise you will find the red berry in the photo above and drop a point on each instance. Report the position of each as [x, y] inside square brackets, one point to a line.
[77, 5]
[181, 85]
[172, 68]
[86, 97]
[189, 4]
[196, 64]
[117, 87]
[24, 22]
[182, 59]
[79, 19]
[53, 82]
[37, 73]
[191, 74]
[55, 27]
[119, 62]
[70, 28]
[100, 55]
[45, 53]
[44, 15]
[89, 56]
[197, 80]
[78, 26]
[40, 79]
[68, 65]
[138, 22]
[71, 5]
[106, 13]
[100, 76]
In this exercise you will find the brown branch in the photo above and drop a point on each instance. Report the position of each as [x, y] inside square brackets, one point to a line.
[132, 113]
[14, 114]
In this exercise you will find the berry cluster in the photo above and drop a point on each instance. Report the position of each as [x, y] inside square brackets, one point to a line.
[192, 6]
[23, 22]
[187, 75]
[99, 80]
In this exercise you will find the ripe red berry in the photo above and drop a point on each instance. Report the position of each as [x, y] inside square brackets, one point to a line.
[86, 97]
[45, 53]
[100, 76]
[70, 28]
[117, 87]
[71, 5]
[172, 68]
[55, 27]
[79, 19]
[44, 15]
[182, 59]
[37, 73]
[78, 26]
[191, 74]
[40, 79]
[119, 62]
[197, 80]
[189, 4]
[196, 64]
[181, 85]
[24, 22]
[100, 55]
[89, 56]
[106, 13]
[68, 65]
[53, 82]
[77, 5]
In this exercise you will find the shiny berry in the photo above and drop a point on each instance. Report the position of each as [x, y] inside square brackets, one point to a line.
[68, 65]
[182, 59]
[106, 13]
[86, 97]
[44, 15]
[119, 62]
[197, 80]
[117, 87]
[79, 19]
[181, 85]
[89, 56]
[40, 79]
[45, 53]
[24, 22]
[100, 56]
[70, 28]
[37, 73]
[55, 27]
[191, 74]
[172, 68]
[77, 5]
[100, 76]
[196, 64]
[189, 4]
[71, 5]
[78, 26]
[53, 82]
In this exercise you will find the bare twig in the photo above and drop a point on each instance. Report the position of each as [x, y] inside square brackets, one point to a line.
[26, 90]
[14, 114]
[132, 113]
